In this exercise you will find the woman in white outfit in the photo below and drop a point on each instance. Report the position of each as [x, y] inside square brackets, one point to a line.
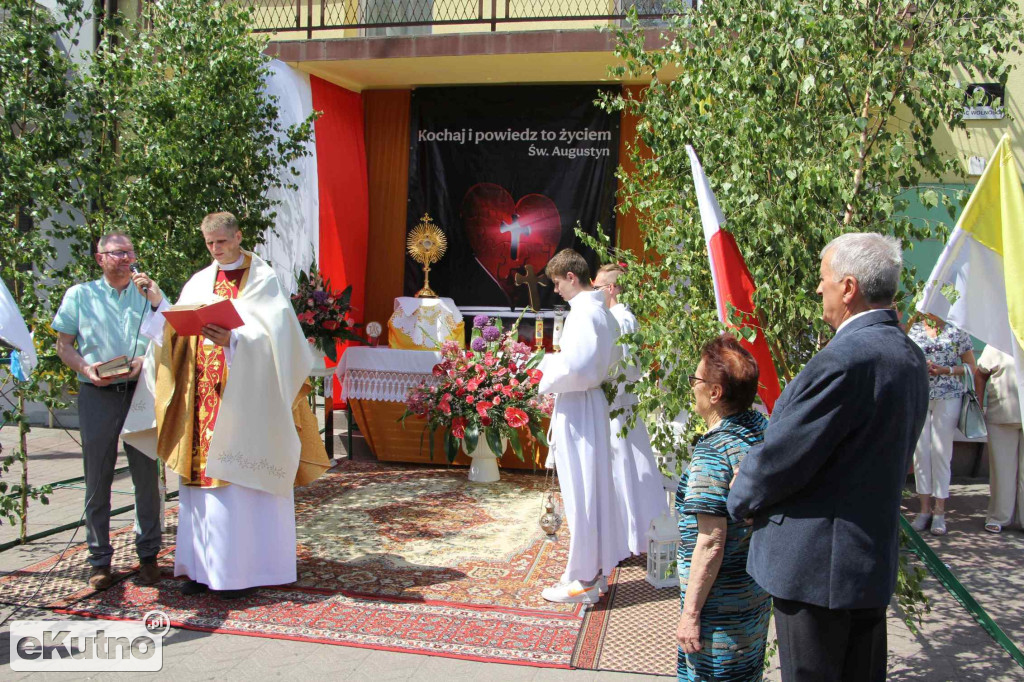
[997, 373]
[949, 352]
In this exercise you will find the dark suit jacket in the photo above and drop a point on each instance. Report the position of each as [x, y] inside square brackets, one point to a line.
[824, 488]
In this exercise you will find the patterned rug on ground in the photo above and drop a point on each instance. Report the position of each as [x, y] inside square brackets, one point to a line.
[402, 558]
[62, 579]
[634, 630]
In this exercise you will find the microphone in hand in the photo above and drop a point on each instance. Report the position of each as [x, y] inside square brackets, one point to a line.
[135, 270]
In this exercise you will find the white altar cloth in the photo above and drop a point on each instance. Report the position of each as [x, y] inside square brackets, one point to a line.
[383, 373]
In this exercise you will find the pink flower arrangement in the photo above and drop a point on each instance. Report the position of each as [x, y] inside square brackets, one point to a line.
[323, 313]
[490, 392]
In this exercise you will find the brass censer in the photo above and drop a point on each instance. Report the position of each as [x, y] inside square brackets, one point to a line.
[550, 521]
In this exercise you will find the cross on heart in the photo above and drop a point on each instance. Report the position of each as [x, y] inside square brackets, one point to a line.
[506, 235]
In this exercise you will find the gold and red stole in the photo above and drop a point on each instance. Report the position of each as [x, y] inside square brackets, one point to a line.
[188, 385]
[211, 377]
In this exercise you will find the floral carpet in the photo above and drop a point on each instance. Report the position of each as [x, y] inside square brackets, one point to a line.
[395, 557]
[429, 534]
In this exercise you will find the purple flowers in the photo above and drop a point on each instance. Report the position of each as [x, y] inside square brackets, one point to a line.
[491, 333]
[480, 321]
[320, 296]
[478, 344]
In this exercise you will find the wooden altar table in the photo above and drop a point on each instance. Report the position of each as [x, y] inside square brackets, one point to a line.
[375, 381]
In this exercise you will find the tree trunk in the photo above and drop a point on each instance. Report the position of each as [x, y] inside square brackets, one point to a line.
[23, 435]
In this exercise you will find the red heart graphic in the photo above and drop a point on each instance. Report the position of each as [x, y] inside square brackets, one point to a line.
[507, 235]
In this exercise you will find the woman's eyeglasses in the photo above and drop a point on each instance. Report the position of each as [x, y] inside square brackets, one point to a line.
[693, 379]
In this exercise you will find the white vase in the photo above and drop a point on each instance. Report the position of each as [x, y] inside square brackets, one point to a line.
[483, 467]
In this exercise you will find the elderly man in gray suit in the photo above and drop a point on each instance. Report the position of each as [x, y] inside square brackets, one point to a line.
[824, 488]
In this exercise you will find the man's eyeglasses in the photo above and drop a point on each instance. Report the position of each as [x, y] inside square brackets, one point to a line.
[119, 254]
[693, 379]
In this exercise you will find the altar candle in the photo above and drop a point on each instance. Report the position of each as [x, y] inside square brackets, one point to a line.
[538, 331]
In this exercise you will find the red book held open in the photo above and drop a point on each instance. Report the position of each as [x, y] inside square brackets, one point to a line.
[189, 320]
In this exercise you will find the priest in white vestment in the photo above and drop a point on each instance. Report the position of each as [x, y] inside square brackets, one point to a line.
[638, 483]
[219, 410]
[581, 433]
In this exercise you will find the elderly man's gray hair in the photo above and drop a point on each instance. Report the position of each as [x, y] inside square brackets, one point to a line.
[874, 260]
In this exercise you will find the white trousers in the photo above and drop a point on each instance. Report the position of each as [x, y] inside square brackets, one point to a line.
[1005, 474]
[235, 537]
[934, 452]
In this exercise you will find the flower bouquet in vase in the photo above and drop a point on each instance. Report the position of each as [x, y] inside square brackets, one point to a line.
[323, 313]
[480, 398]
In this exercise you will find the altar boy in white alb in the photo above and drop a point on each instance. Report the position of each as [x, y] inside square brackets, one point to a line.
[638, 483]
[581, 435]
[218, 409]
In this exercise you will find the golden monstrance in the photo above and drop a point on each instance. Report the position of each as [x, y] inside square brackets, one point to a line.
[426, 245]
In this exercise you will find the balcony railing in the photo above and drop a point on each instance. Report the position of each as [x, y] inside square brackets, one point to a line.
[291, 18]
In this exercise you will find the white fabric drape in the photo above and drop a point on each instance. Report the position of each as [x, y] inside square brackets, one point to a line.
[14, 331]
[383, 373]
[295, 241]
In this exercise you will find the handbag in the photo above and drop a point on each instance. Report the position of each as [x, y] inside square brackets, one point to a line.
[972, 420]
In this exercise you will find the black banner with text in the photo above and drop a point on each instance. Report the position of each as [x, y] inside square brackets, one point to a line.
[508, 172]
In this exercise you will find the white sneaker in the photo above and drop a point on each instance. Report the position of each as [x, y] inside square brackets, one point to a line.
[572, 593]
[921, 522]
[939, 524]
[602, 584]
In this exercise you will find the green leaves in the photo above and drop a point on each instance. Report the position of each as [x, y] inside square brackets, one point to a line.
[811, 120]
[472, 437]
[147, 134]
[517, 446]
[538, 434]
[179, 127]
[451, 446]
[929, 198]
[493, 436]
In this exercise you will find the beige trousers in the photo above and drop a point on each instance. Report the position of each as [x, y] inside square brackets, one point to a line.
[1005, 474]
[933, 455]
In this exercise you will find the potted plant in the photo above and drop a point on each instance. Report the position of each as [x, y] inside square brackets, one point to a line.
[481, 397]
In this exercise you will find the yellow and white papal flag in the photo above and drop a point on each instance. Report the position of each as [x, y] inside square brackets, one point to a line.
[984, 261]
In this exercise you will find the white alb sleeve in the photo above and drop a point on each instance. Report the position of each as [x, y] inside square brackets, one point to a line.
[229, 350]
[153, 323]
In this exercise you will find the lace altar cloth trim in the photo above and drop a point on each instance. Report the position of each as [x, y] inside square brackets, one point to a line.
[372, 384]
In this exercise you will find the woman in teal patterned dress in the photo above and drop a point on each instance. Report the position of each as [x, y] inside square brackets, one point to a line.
[724, 616]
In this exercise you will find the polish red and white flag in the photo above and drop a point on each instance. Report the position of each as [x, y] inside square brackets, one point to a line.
[733, 283]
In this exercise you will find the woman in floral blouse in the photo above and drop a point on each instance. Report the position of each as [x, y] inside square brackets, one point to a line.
[948, 350]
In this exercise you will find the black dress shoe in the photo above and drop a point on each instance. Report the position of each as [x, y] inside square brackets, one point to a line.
[235, 594]
[193, 587]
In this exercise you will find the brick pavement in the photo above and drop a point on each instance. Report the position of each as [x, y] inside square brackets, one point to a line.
[950, 646]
